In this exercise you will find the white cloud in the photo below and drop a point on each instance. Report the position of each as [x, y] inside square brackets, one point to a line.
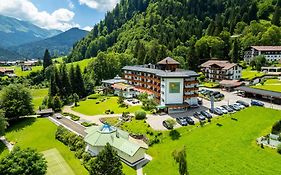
[25, 10]
[88, 28]
[70, 4]
[103, 5]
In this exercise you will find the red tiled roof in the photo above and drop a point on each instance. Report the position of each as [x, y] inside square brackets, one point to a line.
[121, 86]
[143, 90]
[230, 83]
[267, 48]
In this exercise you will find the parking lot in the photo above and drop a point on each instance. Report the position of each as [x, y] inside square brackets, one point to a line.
[229, 98]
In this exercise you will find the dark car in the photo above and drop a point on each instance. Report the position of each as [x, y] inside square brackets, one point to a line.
[206, 114]
[199, 116]
[200, 102]
[182, 121]
[234, 107]
[167, 125]
[243, 103]
[58, 116]
[256, 103]
[229, 109]
[219, 96]
[189, 120]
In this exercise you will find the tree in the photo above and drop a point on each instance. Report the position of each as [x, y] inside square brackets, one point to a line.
[234, 53]
[3, 123]
[106, 163]
[57, 104]
[26, 161]
[72, 79]
[16, 101]
[75, 99]
[180, 158]
[80, 82]
[65, 83]
[277, 13]
[47, 59]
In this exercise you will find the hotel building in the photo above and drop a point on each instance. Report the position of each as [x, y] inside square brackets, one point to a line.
[173, 88]
[271, 53]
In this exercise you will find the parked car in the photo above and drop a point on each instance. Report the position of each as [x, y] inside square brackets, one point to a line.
[223, 110]
[200, 101]
[219, 96]
[182, 121]
[167, 124]
[206, 114]
[216, 111]
[243, 103]
[189, 120]
[239, 105]
[58, 115]
[227, 108]
[256, 103]
[236, 108]
[199, 116]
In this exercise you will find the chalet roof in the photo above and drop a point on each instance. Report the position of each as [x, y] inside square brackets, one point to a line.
[221, 63]
[267, 48]
[168, 60]
[122, 86]
[3, 69]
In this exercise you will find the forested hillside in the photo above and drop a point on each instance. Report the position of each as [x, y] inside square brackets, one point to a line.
[191, 31]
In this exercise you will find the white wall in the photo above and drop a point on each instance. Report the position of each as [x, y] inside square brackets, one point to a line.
[171, 98]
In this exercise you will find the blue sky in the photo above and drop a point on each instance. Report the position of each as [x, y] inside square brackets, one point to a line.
[58, 14]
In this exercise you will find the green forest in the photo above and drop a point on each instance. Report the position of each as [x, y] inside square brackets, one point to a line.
[191, 31]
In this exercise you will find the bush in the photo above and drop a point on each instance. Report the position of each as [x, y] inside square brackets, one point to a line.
[140, 115]
[87, 124]
[174, 134]
[94, 96]
[276, 128]
[279, 148]
[72, 116]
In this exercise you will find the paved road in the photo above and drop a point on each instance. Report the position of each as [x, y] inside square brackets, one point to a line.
[71, 125]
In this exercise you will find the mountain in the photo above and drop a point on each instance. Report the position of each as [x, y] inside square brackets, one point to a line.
[191, 31]
[8, 55]
[16, 32]
[60, 44]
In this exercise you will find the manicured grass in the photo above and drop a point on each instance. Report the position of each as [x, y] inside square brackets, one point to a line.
[40, 134]
[56, 163]
[21, 73]
[83, 64]
[226, 149]
[38, 96]
[249, 74]
[89, 106]
[271, 85]
[127, 170]
[210, 84]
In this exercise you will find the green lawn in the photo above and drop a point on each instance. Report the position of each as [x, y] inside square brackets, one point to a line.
[249, 74]
[38, 96]
[210, 84]
[227, 149]
[56, 163]
[270, 84]
[89, 106]
[40, 134]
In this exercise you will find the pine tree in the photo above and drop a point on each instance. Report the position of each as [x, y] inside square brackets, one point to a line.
[53, 88]
[253, 11]
[65, 83]
[80, 82]
[72, 79]
[234, 53]
[47, 59]
[3, 123]
[106, 163]
[276, 15]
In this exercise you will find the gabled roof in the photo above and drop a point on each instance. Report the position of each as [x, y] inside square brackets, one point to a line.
[100, 136]
[168, 60]
[221, 63]
[267, 48]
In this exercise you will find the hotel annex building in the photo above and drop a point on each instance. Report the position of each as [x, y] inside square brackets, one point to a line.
[172, 87]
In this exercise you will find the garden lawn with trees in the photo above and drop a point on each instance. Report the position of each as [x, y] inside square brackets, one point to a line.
[249, 74]
[90, 106]
[38, 96]
[40, 134]
[270, 84]
[226, 146]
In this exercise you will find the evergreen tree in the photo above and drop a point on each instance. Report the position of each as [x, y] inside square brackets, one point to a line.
[66, 86]
[57, 104]
[72, 79]
[106, 163]
[180, 158]
[276, 15]
[47, 59]
[80, 82]
[253, 11]
[3, 123]
[234, 53]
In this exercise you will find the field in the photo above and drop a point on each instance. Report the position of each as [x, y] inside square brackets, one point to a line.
[228, 148]
[271, 85]
[249, 74]
[56, 164]
[40, 134]
[38, 96]
[89, 106]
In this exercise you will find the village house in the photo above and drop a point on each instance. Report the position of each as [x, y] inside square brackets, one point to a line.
[271, 53]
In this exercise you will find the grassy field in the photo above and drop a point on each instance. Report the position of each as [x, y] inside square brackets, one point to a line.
[270, 84]
[228, 148]
[89, 106]
[56, 163]
[40, 134]
[38, 96]
[249, 74]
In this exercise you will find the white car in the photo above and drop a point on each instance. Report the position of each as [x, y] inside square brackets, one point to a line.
[240, 105]
[223, 110]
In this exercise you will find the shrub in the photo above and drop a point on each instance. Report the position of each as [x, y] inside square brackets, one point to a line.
[279, 148]
[112, 112]
[174, 134]
[276, 128]
[72, 116]
[94, 96]
[140, 115]
[97, 102]
[87, 124]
